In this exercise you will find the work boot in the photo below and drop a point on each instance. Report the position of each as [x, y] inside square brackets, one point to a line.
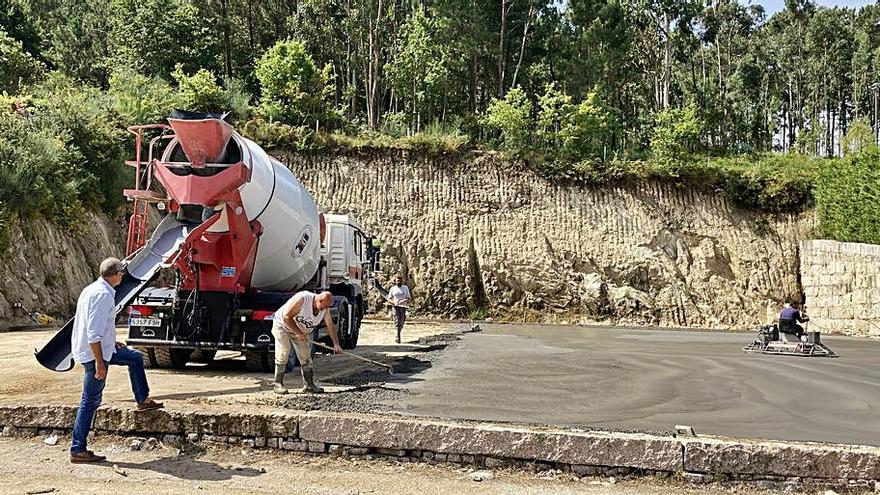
[279, 381]
[84, 457]
[309, 379]
[398, 337]
[149, 404]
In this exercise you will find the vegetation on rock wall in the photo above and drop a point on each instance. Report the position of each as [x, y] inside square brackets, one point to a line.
[723, 97]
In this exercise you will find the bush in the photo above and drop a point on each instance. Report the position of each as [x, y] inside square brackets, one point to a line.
[200, 92]
[141, 99]
[676, 133]
[87, 121]
[19, 67]
[36, 167]
[512, 117]
[848, 197]
[293, 90]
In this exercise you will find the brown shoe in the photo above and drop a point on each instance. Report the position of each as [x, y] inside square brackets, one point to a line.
[149, 404]
[84, 457]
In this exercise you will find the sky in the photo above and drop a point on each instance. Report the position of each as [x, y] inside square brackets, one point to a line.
[773, 6]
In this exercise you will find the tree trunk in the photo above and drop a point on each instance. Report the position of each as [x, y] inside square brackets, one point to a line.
[501, 48]
[522, 47]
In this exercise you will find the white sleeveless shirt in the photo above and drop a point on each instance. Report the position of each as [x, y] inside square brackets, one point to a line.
[306, 320]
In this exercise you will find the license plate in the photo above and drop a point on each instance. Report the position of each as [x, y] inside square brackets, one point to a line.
[144, 322]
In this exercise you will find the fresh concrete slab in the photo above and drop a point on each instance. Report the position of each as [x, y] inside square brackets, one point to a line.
[652, 380]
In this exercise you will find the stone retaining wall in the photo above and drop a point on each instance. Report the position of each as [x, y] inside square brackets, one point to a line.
[699, 459]
[842, 284]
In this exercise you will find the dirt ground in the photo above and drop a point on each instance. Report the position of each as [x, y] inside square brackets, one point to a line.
[225, 384]
[31, 467]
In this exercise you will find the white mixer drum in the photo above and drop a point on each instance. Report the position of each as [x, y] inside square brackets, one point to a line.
[289, 248]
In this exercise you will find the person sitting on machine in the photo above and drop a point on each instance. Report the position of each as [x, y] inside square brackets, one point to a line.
[790, 317]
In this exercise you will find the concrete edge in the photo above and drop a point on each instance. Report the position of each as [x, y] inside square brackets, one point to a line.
[490, 445]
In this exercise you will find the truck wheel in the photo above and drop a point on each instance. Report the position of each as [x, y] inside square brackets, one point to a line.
[260, 361]
[203, 355]
[343, 326]
[356, 327]
[171, 357]
[149, 356]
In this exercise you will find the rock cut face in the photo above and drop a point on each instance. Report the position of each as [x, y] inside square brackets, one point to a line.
[483, 233]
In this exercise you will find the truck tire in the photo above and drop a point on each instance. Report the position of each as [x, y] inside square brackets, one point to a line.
[343, 326]
[171, 357]
[260, 361]
[355, 326]
[203, 355]
[149, 356]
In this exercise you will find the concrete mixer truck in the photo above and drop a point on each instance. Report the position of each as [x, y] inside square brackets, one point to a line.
[240, 234]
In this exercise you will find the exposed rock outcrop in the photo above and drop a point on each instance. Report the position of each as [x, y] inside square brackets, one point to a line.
[47, 266]
[480, 232]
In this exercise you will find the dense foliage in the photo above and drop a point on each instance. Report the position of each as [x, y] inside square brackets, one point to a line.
[716, 94]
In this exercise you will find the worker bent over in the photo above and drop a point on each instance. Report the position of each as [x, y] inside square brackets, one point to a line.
[94, 345]
[291, 326]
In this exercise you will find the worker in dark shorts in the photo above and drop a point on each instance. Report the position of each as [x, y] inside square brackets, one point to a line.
[399, 297]
[791, 316]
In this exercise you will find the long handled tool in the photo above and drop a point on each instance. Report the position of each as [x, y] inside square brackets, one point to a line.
[377, 363]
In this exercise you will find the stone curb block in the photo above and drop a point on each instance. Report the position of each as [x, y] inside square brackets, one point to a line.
[595, 448]
[781, 459]
[461, 441]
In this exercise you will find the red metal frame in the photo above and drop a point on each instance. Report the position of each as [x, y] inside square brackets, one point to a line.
[216, 261]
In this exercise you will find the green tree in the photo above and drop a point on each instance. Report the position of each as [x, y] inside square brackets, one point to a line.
[141, 99]
[153, 37]
[676, 133]
[859, 136]
[18, 66]
[293, 89]
[585, 134]
[200, 92]
[421, 72]
[511, 116]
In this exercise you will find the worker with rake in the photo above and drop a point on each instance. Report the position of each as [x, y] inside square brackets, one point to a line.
[292, 325]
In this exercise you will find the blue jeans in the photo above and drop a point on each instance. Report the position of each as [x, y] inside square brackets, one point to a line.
[93, 392]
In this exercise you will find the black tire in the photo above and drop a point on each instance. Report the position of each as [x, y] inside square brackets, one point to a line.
[203, 355]
[356, 326]
[149, 356]
[259, 361]
[343, 327]
[171, 357]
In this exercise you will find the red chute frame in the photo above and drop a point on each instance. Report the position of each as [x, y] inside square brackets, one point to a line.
[213, 261]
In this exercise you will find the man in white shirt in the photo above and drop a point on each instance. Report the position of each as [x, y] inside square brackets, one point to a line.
[94, 346]
[399, 296]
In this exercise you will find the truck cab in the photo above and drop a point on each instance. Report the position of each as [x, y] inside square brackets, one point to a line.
[350, 259]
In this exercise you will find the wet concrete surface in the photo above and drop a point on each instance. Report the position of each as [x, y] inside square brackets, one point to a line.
[652, 380]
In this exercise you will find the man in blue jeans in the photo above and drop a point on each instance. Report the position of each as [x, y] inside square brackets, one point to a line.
[94, 346]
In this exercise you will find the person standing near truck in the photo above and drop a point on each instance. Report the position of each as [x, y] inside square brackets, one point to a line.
[94, 346]
[292, 326]
[399, 297]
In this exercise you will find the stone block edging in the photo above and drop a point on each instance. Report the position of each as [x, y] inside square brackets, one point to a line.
[486, 444]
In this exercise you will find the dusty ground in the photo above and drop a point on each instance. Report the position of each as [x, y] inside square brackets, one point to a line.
[31, 467]
[225, 384]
